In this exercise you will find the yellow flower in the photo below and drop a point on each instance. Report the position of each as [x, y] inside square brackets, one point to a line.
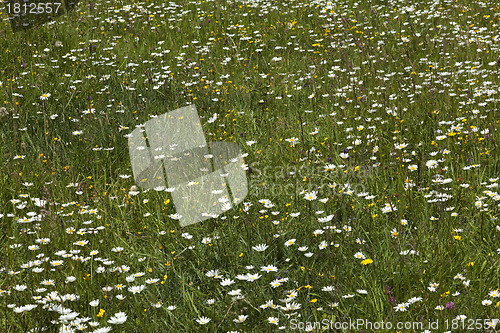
[101, 313]
[366, 262]
[313, 300]
[457, 237]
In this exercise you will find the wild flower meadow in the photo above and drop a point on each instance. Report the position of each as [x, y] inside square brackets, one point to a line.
[369, 130]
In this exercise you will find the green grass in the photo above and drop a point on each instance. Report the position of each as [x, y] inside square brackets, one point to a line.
[356, 78]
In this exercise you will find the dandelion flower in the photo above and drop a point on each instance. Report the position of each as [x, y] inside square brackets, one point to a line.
[366, 262]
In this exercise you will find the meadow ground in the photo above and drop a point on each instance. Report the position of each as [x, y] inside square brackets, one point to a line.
[370, 134]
